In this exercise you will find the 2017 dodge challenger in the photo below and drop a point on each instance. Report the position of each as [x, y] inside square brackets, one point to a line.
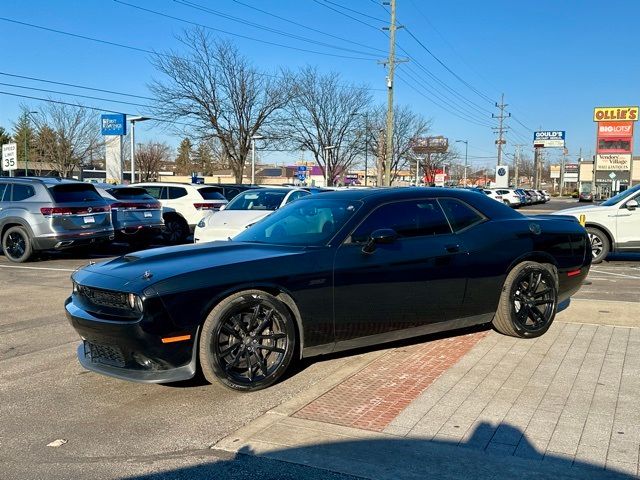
[325, 273]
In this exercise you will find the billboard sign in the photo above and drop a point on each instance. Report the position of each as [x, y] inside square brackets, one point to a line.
[615, 129]
[622, 177]
[613, 162]
[9, 157]
[423, 145]
[502, 176]
[555, 171]
[571, 172]
[615, 114]
[114, 124]
[549, 139]
[439, 179]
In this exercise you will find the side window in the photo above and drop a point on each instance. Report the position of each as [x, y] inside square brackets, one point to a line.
[154, 191]
[22, 192]
[230, 193]
[3, 187]
[177, 192]
[460, 214]
[296, 195]
[415, 218]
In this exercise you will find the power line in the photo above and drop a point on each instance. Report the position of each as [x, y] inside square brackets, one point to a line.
[246, 37]
[307, 27]
[347, 15]
[358, 12]
[242, 21]
[76, 86]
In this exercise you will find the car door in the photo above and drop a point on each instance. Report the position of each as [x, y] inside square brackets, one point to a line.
[413, 282]
[628, 226]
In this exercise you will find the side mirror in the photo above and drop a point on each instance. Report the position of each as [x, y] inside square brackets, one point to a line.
[631, 205]
[384, 236]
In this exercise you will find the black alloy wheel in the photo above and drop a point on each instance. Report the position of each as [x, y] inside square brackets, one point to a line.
[528, 301]
[247, 341]
[175, 230]
[533, 299]
[17, 245]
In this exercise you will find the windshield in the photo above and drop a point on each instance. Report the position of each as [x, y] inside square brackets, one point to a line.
[621, 196]
[257, 200]
[210, 193]
[74, 192]
[312, 221]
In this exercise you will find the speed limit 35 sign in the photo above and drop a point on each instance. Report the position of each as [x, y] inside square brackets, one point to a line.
[9, 156]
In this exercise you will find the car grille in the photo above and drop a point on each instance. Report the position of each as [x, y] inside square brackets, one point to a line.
[106, 354]
[104, 298]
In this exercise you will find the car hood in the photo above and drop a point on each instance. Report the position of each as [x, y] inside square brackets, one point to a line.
[576, 211]
[235, 219]
[139, 270]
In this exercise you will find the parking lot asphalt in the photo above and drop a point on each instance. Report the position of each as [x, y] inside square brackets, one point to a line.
[116, 429]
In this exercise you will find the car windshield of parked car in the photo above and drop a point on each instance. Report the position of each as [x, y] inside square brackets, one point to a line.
[621, 196]
[312, 221]
[257, 200]
[130, 193]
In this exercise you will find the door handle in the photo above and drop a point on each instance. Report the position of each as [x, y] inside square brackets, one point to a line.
[452, 248]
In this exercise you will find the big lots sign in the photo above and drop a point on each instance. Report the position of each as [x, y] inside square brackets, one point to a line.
[615, 129]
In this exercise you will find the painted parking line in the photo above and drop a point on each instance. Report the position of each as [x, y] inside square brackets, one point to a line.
[624, 275]
[39, 268]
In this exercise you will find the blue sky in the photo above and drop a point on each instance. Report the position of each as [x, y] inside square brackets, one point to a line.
[554, 61]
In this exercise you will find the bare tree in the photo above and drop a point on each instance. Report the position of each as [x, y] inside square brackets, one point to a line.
[67, 136]
[150, 157]
[436, 162]
[407, 125]
[215, 89]
[324, 117]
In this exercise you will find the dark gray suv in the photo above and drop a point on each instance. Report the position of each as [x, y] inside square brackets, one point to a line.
[50, 213]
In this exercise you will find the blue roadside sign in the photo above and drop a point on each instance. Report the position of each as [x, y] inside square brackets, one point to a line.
[113, 124]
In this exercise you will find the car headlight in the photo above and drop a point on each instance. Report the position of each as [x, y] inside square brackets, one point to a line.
[135, 302]
[75, 286]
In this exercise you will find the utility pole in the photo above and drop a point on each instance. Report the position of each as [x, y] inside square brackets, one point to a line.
[516, 163]
[501, 128]
[562, 164]
[390, 63]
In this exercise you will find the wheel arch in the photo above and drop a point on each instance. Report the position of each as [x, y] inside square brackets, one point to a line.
[535, 256]
[9, 222]
[277, 291]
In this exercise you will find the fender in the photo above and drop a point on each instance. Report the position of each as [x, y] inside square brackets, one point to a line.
[15, 220]
[606, 231]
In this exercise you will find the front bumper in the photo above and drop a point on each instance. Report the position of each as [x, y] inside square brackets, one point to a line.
[131, 350]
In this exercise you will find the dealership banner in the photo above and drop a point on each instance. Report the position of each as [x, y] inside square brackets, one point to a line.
[615, 114]
[549, 139]
[613, 161]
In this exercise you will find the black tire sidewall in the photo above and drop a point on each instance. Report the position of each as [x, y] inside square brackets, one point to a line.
[525, 268]
[209, 363]
[28, 250]
[179, 224]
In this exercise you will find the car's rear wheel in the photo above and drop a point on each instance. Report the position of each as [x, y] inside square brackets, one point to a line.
[599, 244]
[247, 341]
[175, 230]
[16, 244]
[528, 301]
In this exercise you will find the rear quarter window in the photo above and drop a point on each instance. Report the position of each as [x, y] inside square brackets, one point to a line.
[74, 193]
[460, 215]
[211, 193]
[22, 192]
[177, 192]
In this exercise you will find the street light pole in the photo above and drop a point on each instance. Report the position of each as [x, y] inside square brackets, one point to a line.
[253, 157]
[466, 150]
[26, 145]
[133, 121]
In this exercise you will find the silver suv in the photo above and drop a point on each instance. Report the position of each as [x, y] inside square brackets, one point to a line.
[50, 213]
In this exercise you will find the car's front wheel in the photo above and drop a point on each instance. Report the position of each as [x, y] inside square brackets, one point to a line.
[599, 244]
[528, 301]
[247, 341]
[16, 244]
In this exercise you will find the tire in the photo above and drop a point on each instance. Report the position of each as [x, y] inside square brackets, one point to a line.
[17, 245]
[233, 341]
[600, 245]
[175, 230]
[528, 287]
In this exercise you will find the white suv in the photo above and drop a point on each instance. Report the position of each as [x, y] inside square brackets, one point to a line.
[183, 206]
[613, 226]
[509, 197]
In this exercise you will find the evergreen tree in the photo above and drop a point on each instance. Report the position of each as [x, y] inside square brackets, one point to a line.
[184, 161]
[5, 136]
[203, 160]
[23, 134]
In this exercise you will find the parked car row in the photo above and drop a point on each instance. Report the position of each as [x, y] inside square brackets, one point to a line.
[516, 197]
[50, 213]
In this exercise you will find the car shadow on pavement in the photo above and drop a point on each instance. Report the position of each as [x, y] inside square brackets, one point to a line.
[399, 458]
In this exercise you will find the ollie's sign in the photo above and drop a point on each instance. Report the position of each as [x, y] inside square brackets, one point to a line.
[615, 114]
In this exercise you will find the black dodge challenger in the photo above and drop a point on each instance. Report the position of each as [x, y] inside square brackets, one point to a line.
[326, 273]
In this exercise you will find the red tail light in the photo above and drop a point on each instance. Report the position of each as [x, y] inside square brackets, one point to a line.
[60, 211]
[208, 206]
[135, 206]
